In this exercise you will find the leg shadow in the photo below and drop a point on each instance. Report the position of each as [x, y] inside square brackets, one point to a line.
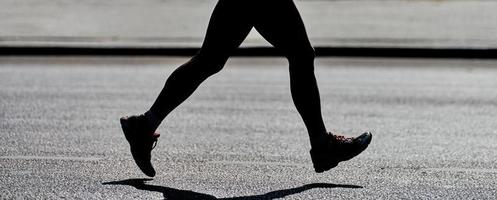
[169, 193]
[176, 194]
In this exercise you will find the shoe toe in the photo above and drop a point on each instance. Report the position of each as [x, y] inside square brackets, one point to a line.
[143, 161]
[365, 138]
[146, 167]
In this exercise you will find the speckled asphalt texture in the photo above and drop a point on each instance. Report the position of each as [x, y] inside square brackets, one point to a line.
[239, 136]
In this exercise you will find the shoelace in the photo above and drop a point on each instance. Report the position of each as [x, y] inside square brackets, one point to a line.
[155, 143]
[155, 136]
[341, 138]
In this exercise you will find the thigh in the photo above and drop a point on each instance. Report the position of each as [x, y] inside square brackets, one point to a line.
[281, 25]
[229, 25]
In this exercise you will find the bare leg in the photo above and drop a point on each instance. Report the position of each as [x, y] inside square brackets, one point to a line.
[280, 23]
[228, 27]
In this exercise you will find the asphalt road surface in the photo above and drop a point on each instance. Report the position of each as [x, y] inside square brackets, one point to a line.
[239, 136]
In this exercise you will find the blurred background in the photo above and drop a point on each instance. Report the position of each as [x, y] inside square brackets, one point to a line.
[466, 24]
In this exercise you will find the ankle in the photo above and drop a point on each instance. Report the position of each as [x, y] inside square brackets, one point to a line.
[319, 141]
[151, 120]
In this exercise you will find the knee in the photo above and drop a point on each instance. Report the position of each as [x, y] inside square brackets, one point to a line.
[209, 64]
[301, 60]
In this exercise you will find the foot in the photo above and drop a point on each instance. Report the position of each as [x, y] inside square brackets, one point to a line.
[141, 142]
[336, 149]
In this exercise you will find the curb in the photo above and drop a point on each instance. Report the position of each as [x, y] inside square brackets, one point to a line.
[254, 51]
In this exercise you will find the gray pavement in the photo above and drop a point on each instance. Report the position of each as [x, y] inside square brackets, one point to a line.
[182, 23]
[239, 136]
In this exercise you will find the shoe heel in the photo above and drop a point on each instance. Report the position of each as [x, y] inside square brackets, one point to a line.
[125, 127]
[322, 162]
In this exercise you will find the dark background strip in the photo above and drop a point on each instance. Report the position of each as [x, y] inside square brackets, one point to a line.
[253, 51]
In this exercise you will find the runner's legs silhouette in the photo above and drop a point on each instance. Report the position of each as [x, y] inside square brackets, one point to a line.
[279, 22]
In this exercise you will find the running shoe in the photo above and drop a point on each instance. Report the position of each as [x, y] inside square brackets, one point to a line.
[338, 148]
[141, 142]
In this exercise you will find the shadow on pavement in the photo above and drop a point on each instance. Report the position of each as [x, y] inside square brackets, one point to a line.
[176, 194]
